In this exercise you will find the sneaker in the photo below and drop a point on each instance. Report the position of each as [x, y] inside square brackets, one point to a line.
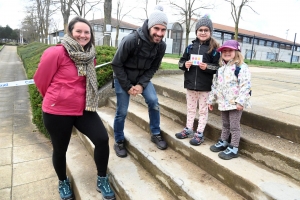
[197, 139]
[104, 188]
[219, 146]
[119, 147]
[229, 153]
[64, 189]
[186, 132]
[159, 141]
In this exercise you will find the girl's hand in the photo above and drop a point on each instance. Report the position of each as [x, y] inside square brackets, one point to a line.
[239, 106]
[203, 66]
[210, 107]
[188, 64]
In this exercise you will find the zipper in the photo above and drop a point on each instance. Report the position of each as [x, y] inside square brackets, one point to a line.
[197, 69]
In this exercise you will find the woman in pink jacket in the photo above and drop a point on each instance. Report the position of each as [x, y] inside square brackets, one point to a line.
[66, 78]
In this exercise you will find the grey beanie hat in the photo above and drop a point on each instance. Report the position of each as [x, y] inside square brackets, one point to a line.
[158, 17]
[204, 21]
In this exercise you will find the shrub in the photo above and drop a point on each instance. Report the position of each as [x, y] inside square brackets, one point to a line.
[31, 54]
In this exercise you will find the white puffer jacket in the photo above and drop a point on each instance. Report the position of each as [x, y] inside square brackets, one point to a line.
[228, 89]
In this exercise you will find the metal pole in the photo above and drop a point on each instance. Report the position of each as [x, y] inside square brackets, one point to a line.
[252, 47]
[293, 49]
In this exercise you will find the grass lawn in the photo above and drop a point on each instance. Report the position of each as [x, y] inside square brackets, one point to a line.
[256, 63]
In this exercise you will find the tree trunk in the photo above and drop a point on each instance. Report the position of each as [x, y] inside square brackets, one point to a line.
[65, 11]
[107, 20]
[117, 36]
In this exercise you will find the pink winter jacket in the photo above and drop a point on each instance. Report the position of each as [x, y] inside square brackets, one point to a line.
[58, 82]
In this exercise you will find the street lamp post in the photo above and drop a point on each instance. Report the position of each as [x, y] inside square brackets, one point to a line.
[293, 49]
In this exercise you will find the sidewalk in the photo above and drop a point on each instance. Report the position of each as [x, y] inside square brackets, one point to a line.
[277, 90]
[26, 170]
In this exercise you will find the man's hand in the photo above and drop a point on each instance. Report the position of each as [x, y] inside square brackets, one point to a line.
[132, 91]
[138, 89]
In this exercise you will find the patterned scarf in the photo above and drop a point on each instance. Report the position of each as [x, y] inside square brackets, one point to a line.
[84, 61]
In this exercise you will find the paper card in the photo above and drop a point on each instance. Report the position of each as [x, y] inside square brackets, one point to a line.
[196, 59]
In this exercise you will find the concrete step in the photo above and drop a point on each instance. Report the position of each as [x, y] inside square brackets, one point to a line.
[81, 169]
[250, 179]
[180, 177]
[279, 124]
[128, 178]
[276, 153]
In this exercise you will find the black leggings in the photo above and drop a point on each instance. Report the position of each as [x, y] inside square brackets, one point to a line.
[60, 130]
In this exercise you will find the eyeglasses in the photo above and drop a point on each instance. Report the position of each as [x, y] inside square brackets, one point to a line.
[203, 30]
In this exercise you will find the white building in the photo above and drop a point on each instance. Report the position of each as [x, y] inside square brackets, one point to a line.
[265, 47]
[258, 45]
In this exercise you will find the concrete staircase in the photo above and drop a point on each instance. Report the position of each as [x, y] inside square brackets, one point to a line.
[268, 166]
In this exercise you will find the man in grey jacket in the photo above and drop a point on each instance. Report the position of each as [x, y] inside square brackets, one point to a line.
[137, 59]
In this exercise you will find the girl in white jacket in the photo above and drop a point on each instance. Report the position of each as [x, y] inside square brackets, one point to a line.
[231, 90]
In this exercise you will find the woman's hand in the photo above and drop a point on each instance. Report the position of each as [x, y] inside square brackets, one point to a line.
[210, 107]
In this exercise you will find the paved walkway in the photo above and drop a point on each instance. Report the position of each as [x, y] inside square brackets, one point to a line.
[26, 171]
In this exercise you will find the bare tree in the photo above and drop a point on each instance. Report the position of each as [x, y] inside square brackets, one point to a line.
[107, 20]
[29, 27]
[83, 7]
[65, 7]
[187, 11]
[43, 14]
[120, 16]
[145, 8]
[236, 12]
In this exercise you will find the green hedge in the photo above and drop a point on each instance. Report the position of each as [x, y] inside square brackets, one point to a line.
[31, 54]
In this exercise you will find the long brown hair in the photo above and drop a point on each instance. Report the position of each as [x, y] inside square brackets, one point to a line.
[71, 27]
[213, 44]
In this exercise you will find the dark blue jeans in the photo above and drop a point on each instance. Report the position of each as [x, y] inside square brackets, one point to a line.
[123, 98]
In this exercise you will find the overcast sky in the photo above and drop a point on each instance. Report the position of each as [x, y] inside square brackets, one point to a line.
[280, 18]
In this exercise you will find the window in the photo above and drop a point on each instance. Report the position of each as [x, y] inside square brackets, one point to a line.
[248, 54]
[97, 28]
[246, 39]
[298, 49]
[217, 35]
[227, 36]
[271, 55]
[295, 59]
[269, 44]
[282, 46]
[240, 39]
[275, 45]
[255, 41]
[261, 42]
[288, 47]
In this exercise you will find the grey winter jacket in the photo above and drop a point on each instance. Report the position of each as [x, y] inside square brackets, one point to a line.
[132, 67]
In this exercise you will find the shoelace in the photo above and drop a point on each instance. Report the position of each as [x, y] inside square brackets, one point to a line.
[65, 187]
[227, 151]
[158, 137]
[105, 185]
[121, 146]
[183, 133]
[197, 137]
[218, 144]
